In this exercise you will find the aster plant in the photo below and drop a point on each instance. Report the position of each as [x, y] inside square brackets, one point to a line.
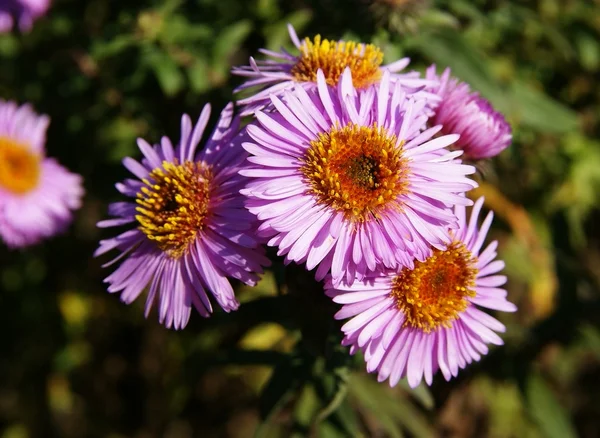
[356, 174]
[37, 195]
[312, 249]
[484, 132]
[286, 70]
[357, 170]
[187, 229]
[415, 322]
[350, 180]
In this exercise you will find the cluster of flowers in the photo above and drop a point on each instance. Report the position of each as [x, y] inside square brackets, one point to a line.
[355, 169]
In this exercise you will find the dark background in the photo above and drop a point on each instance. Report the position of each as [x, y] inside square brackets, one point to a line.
[75, 362]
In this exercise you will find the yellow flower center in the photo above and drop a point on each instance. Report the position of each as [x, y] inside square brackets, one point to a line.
[436, 291]
[19, 167]
[333, 57]
[173, 204]
[356, 169]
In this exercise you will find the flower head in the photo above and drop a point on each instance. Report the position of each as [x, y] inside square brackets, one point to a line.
[347, 179]
[190, 228]
[331, 57]
[483, 131]
[25, 12]
[37, 195]
[413, 322]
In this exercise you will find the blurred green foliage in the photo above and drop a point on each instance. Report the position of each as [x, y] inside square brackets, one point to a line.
[76, 362]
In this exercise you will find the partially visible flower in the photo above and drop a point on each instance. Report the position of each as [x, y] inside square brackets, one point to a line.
[348, 180]
[24, 12]
[37, 195]
[414, 322]
[331, 57]
[484, 132]
[188, 228]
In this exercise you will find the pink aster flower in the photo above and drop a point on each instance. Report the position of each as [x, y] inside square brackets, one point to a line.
[37, 195]
[414, 322]
[188, 228]
[287, 70]
[483, 131]
[348, 180]
[24, 12]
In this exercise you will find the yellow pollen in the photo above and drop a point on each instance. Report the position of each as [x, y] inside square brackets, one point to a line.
[437, 290]
[357, 170]
[19, 167]
[333, 57]
[173, 204]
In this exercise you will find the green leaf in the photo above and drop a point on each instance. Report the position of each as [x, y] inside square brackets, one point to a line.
[198, 75]
[390, 48]
[177, 29]
[466, 9]
[267, 9]
[345, 419]
[229, 41]
[450, 49]
[120, 133]
[166, 70]
[386, 402]
[277, 35]
[590, 336]
[328, 430]
[169, 6]
[103, 49]
[332, 388]
[437, 18]
[541, 112]
[551, 417]
[306, 409]
[588, 50]
[579, 194]
[9, 45]
[411, 419]
[420, 393]
[392, 411]
[285, 380]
